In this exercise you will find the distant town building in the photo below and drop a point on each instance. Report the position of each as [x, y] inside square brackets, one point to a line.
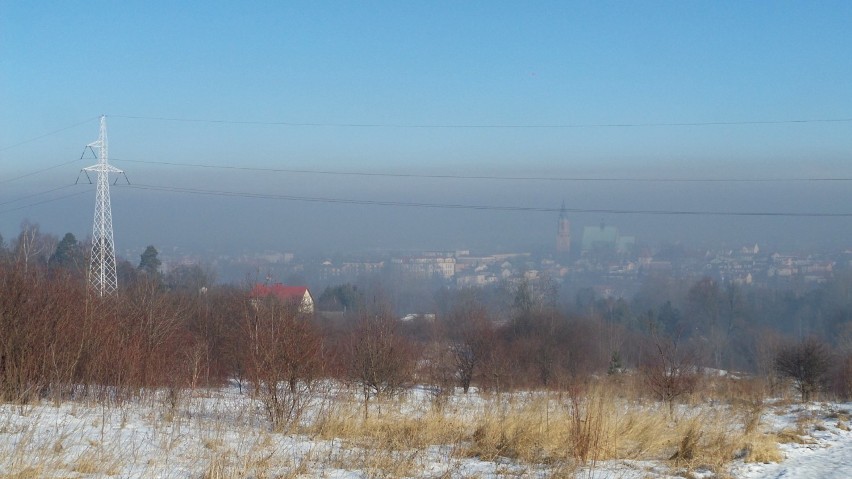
[426, 266]
[625, 244]
[605, 238]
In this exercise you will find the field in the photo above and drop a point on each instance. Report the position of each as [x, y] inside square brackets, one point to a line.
[596, 430]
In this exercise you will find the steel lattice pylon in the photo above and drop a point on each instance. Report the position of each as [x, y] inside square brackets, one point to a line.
[102, 273]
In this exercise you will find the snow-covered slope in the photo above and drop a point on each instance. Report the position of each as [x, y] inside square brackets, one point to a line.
[824, 450]
[224, 434]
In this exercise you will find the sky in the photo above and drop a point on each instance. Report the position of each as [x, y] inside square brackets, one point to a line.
[631, 90]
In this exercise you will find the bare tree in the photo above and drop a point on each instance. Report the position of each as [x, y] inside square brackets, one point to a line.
[20, 368]
[806, 363]
[41, 332]
[153, 326]
[380, 359]
[670, 370]
[474, 336]
[438, 365]
[282, 353]
[705, 303]
[841, 378]
[217, 323]
[765, 343]
[32, 245]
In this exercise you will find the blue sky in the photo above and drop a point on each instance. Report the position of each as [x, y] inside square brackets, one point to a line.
[437, 63]
[429, 63]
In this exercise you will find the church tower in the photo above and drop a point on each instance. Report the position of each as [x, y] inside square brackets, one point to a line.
[563, 235]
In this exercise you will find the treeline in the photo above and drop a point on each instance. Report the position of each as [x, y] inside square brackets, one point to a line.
[739, 326]
[58, 338]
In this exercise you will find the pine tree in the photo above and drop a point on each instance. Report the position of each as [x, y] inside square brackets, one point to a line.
[150, 263]
[614, 364]
[67, 252]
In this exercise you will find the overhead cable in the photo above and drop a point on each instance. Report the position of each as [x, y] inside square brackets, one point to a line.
[39, 171]
[47, 134]
[481, 126]
[198, 191]
[34, 195]
[51, 200]
[486, 177]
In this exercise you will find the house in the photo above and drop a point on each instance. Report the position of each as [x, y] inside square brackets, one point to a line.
[286, 294]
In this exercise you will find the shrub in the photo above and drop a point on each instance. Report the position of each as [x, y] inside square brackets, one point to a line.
[806, 363]
[381, 361]
[670, 370]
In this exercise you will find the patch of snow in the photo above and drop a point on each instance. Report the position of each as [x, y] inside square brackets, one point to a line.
[826, 452]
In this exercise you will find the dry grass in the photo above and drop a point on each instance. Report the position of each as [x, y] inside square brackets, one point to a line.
[96, 462]
[230, 464]
[218, 468]
[550, 433]
[26, 473]
[762, 448]
[789, 435]
[560, 431]
[397, 426]
[377, 463]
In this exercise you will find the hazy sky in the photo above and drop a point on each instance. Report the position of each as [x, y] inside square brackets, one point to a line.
[441, 88]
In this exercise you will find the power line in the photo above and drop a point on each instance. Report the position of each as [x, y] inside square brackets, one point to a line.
[488, 177]
[34, 195]
[236, 194]
[38, 171]
[59, 198]
[483, 126]
[46, 134]
[197, 191]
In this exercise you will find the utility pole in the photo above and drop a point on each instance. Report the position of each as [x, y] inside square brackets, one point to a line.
[102, 270]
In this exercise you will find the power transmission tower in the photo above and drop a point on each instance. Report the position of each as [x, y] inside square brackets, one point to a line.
[102, 271]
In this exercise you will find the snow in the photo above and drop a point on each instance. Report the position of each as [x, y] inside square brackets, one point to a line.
[826, 451]
[223, 433]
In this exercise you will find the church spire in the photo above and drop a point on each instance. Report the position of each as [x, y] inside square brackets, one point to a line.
[563, 233]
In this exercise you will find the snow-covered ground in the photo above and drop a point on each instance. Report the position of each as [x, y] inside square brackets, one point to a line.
[223, 434]
[823, 452]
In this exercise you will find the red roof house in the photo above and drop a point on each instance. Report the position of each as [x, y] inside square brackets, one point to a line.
[286, 294]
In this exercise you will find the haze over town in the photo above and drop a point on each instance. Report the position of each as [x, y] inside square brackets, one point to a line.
[572, 91]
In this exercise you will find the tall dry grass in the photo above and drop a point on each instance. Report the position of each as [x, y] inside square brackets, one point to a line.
[557, 434]
[570, 429]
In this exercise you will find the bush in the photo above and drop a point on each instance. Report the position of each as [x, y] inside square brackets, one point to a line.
[281, 349]
[380, 360]
[807, 364]
[669, 369]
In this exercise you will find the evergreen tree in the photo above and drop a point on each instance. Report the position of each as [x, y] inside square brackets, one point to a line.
[150, 263]
[345, 297]
[615, 366]
[68, 253]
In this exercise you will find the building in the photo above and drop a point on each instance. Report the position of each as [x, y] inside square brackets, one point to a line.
[603, 238]
[598, 238]
[426, 266]
[563, 234]
[286, 294]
